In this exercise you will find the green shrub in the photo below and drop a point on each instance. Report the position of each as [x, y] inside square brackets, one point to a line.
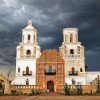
[66, 90]
[73, 92]
[76, 91]
[13, 92]
[79, 90]
[19, 92]
[35, 92]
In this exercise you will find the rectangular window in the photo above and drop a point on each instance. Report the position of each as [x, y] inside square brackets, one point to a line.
[19, 70]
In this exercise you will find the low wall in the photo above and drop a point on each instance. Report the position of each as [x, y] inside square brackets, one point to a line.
[91, 88]
[28, 88]
[24, 88]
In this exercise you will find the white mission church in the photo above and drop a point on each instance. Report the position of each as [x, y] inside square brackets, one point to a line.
[71, 50]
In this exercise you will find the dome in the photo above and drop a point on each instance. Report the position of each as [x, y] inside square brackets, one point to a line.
[30, 25]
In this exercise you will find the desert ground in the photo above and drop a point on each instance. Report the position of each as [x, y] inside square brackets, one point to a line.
[50, 96]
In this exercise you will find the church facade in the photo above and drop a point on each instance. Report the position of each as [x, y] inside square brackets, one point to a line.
[51, 69]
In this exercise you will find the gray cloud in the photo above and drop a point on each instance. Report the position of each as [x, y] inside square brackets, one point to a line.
[50, 17]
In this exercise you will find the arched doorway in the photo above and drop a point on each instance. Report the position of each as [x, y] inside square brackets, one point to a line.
[4, 85]
[50, 86]
[1, 86]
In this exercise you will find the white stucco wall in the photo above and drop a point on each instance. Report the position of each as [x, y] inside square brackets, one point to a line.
[78, 80]
[23, 59]
[76, 61]
[90, 76]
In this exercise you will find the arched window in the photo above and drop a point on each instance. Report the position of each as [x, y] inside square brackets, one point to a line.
[65, 51]
[76, 38]
[81, 70]
[28, 37]
[34, 50]
[23, 38]
[34, 38]
[27, 70]
[78, 50]
[19, 70]
[73, 70]
[71, 51]
[65, 38]
[28, 52]
[71, 37]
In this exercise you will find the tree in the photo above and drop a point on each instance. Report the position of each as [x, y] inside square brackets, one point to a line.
[8, 74]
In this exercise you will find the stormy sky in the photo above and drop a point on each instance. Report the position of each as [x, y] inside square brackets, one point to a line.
[50, 17]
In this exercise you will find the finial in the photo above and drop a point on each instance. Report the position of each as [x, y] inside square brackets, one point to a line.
[30, 22]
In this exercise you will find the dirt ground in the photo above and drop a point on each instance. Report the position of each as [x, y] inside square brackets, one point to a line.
[50, 98]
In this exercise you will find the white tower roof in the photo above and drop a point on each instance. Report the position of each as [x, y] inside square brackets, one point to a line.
[30, 25]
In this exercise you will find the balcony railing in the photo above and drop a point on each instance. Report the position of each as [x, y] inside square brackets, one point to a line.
[73, 72]
[72, 56]
[50, 72]
[27, 73]
[27, 56]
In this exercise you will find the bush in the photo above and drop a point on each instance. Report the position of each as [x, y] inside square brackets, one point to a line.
[97, 93]
[79, 90]
[69, 91]
[73, 92]
[13, 92]
[35, 92]
[66, 90]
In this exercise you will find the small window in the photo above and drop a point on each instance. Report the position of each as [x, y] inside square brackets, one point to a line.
[65, 51]
[23, 37]
[19, 70]
[71, 51]
[28, 37]
[34, 38]
[28, 52]
[27, 82]
[81, 70]
[65, 38]
[78, 50]
[73, 81]
[71, 37]
[34, 50]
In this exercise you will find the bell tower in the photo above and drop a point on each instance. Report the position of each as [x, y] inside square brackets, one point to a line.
[27, 52]
[73, 53]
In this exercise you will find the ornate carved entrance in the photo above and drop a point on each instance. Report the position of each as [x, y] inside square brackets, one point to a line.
[50, 86]
[50, 71]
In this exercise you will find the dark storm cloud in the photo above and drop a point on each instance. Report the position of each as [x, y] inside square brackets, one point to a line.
[50, 17]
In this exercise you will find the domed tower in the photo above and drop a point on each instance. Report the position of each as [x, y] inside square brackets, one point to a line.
[27, 53]
[73, 53]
